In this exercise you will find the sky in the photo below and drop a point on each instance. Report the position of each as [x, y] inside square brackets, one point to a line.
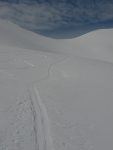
[49, 15]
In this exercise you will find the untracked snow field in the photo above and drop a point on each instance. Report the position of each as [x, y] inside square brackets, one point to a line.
[55, 94]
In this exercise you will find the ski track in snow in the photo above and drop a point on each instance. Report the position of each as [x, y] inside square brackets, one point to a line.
[43, 140]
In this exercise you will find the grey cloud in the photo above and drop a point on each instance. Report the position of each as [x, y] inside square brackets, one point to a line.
[46, 17]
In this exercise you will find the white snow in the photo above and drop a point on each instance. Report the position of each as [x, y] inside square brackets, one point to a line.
[55, 94]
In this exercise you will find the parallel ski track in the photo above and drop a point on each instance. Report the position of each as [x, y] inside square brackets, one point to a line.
[41, 127]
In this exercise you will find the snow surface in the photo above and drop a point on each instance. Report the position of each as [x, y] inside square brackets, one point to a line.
[55, 94]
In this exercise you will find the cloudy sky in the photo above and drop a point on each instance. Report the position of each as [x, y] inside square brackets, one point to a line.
[44, 15]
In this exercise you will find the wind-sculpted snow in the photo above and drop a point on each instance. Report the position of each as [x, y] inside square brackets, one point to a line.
[42, 16]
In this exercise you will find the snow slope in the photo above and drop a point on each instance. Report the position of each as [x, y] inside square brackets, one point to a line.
[55, 94]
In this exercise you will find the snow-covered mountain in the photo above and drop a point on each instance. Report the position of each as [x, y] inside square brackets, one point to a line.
[48, 16]
[55, 94]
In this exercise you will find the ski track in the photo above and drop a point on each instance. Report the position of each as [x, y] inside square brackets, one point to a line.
[34, 123]
[43, 140]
